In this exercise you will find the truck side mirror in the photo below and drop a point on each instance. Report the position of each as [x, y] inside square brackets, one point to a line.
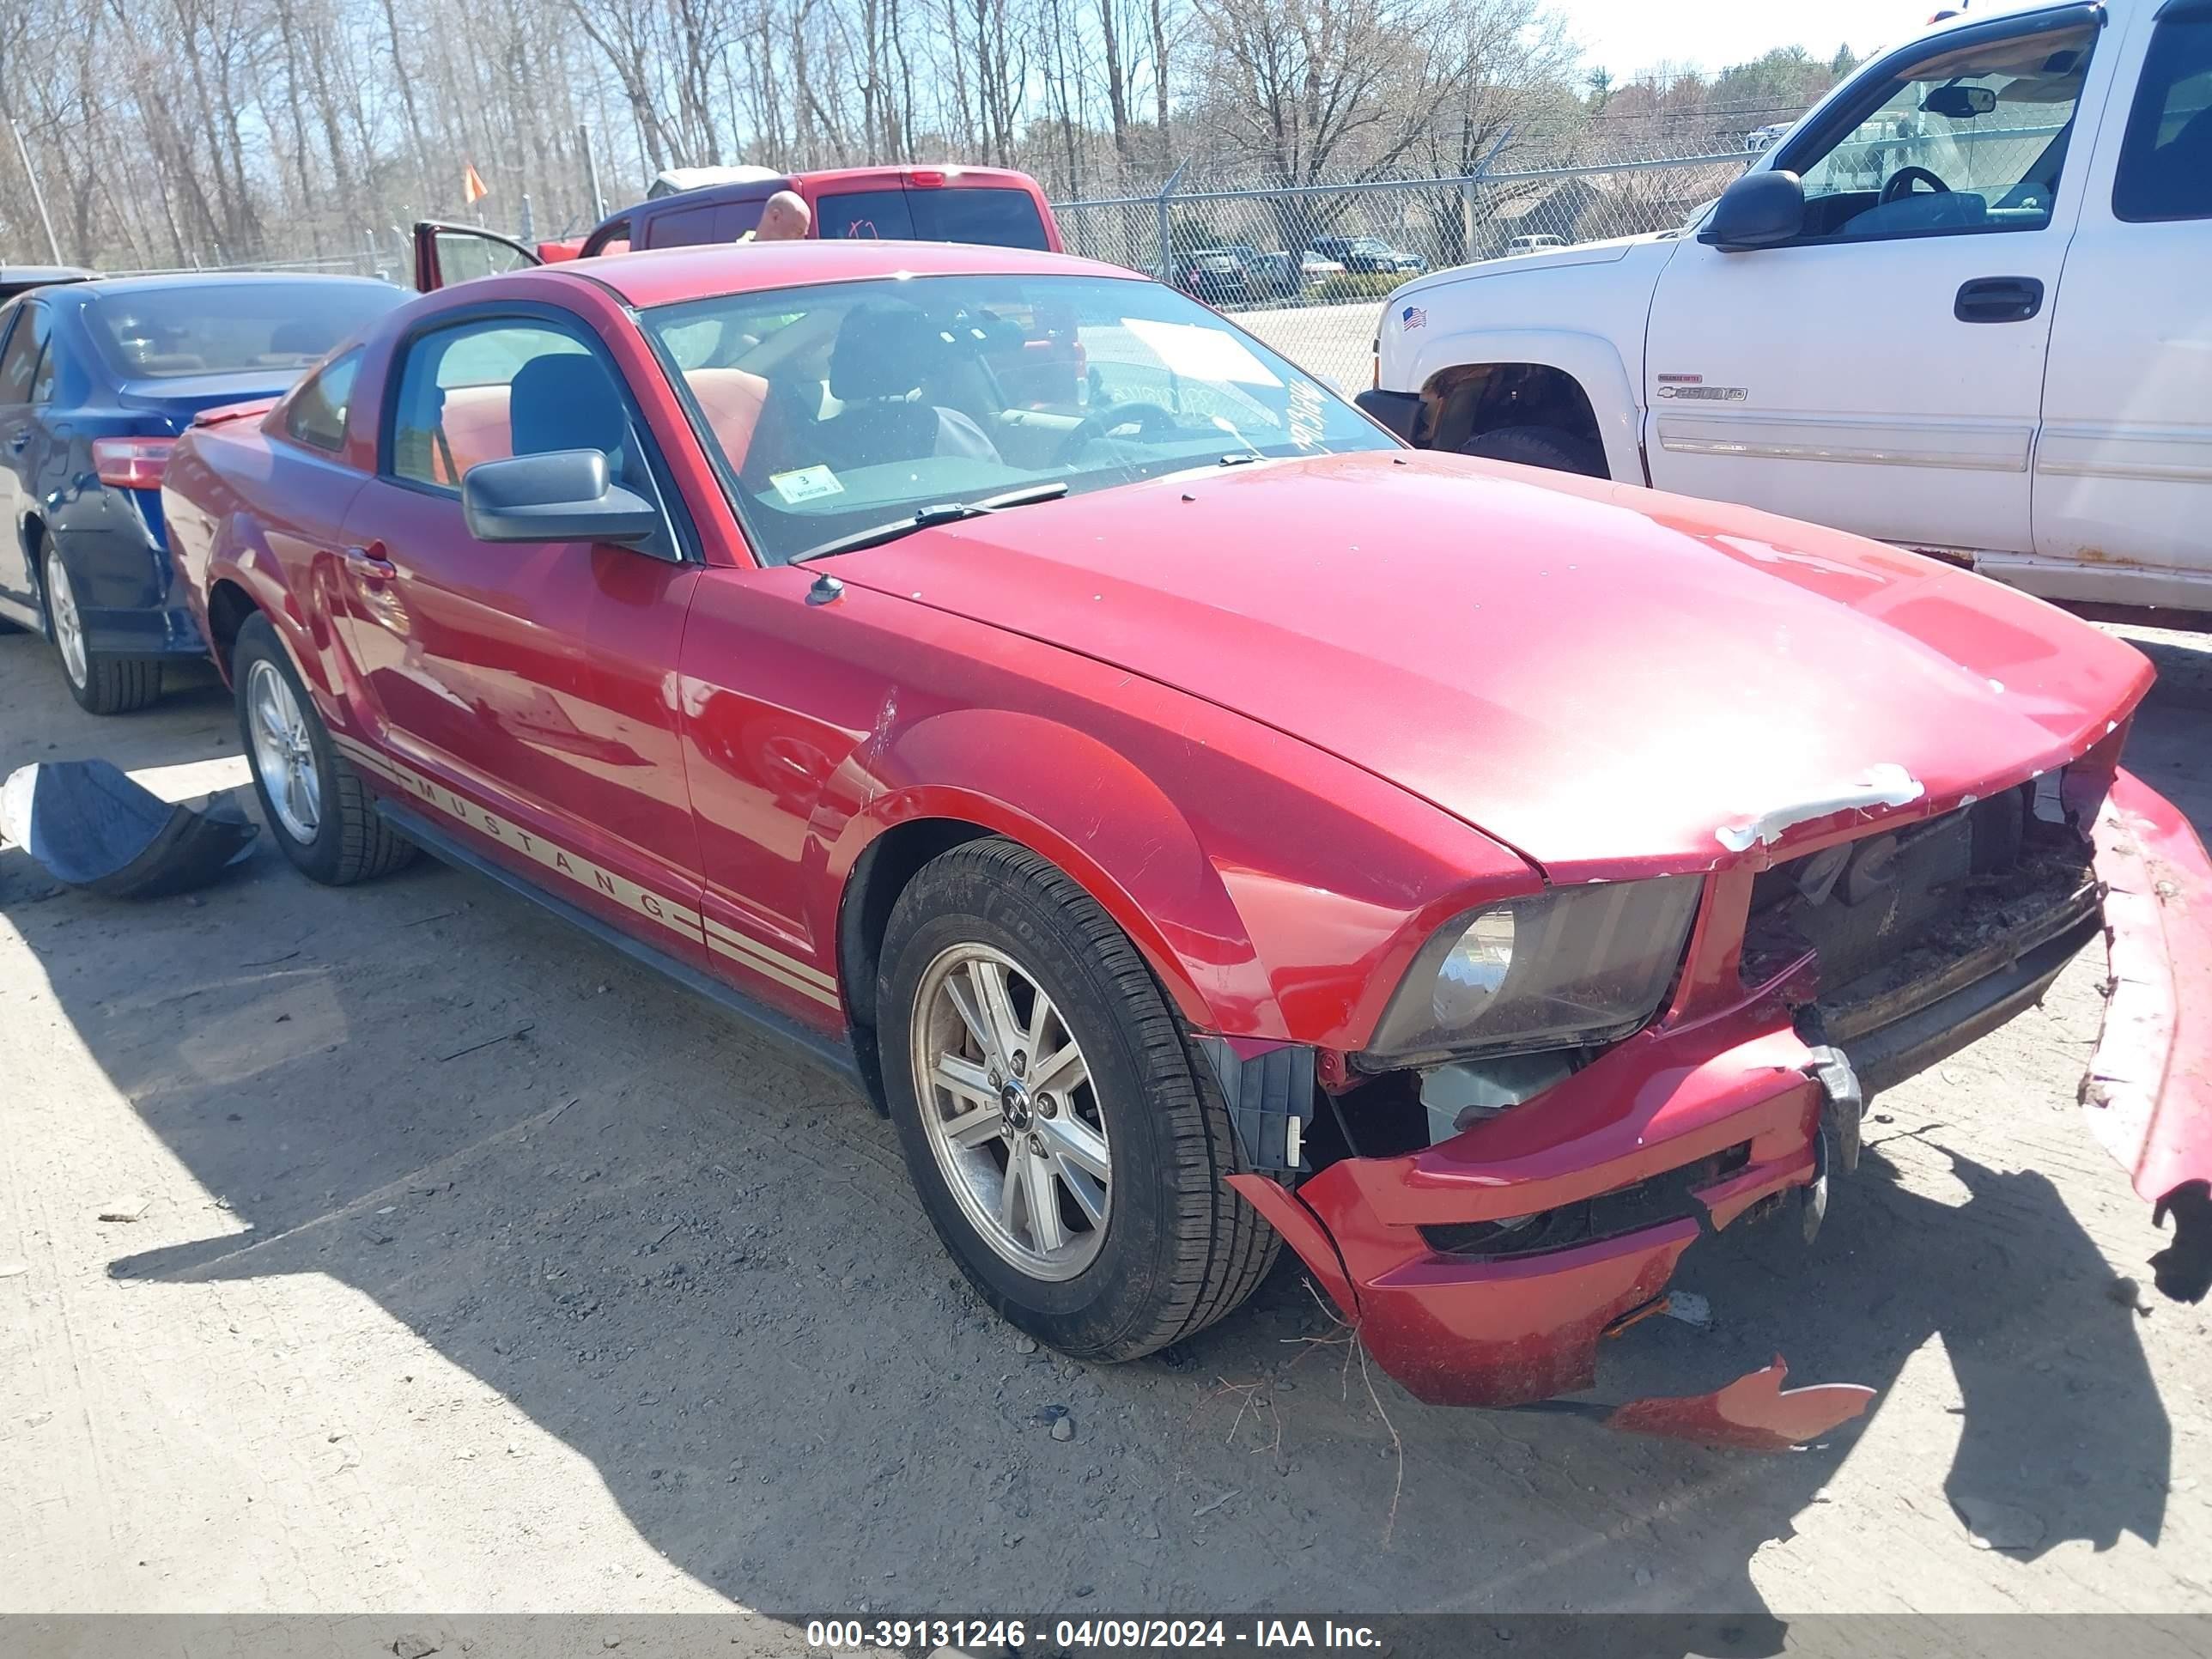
[1757, 211]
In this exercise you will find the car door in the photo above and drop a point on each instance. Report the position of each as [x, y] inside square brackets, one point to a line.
[1883, 370]
[446, 254]
[527, 686]
[23, 329]
[2124, 467]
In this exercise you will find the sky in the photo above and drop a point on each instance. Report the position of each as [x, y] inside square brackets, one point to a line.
[1630, 36]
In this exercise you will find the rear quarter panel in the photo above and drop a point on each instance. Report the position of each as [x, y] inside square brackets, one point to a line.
[259, 513]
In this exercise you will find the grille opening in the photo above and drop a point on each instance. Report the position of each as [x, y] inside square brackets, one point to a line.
[1884, 909]
[1652, 1202]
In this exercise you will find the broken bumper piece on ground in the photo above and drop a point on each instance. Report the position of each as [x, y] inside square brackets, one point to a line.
[1488, 1268]
[92, 827]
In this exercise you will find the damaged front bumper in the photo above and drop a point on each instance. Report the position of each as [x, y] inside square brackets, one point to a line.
[1485, 1269]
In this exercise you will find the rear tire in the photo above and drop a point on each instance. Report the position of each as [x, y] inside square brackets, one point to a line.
[101, 684]
[1161, 1248]
[315, 804]
[1539, 445]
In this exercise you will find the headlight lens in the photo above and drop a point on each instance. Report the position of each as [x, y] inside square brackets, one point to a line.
[1572, 965]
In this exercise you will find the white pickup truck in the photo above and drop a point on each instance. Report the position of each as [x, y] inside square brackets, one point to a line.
[1963, 306]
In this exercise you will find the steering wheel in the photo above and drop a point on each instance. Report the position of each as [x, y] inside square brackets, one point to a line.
[1147, 418]
[1899, 184]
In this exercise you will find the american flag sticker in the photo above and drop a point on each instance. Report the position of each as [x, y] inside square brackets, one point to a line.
[1413, 317]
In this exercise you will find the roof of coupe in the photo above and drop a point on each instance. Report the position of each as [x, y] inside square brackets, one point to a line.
[667, 275]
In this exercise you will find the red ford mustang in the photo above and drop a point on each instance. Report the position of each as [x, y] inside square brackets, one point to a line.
[1198, 820]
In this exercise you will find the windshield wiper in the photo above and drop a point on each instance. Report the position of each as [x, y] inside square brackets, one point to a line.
[943, 513]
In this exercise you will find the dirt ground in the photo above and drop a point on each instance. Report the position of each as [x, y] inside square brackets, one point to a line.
[475, 1268]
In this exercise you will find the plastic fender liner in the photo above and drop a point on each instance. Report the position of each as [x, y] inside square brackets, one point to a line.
[93, 828]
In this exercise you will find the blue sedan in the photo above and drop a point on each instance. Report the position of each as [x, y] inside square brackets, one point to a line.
[96, 380]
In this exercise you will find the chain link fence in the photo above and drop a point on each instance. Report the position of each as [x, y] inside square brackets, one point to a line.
[1305, 267]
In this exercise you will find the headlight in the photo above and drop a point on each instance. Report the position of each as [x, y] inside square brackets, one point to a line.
[1570, 966]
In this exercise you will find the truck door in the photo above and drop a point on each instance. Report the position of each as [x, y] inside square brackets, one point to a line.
[2123, 468]
[1882, 370]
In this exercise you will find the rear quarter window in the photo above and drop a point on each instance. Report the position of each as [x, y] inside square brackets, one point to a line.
[317, 414]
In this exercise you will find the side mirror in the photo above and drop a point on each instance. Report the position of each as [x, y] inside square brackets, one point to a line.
[1757, 211]
[1960, 103]
[563, 496]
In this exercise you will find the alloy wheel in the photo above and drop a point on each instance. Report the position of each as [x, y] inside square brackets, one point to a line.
[1010, 1113]
[69, 626]
[283, 752]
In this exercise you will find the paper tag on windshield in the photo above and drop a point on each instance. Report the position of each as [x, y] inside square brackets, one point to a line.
[1199, 353]
[806, 484]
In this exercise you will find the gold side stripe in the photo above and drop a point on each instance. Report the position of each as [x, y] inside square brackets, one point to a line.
[767, 969]
[718, 935]
[585, 872]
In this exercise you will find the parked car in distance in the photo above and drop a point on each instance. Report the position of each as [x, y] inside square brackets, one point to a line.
[1534, 244]
[1763, 138]
[994, 206]
[21, 279]
[1368, 255]
[96, 380]
[1219, 275]
[1162, 806]
[1979, 258]
[1315, 268]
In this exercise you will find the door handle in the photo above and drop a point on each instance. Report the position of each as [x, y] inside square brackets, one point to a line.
[370, 563]
[20, 440]
[1999, 299]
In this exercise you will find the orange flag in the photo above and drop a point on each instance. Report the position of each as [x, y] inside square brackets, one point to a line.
[473, 186]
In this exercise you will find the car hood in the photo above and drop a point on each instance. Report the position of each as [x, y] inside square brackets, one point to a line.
[1612, 681]
[1613, 248]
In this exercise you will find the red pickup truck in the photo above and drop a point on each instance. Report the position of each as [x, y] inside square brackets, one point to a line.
[992, 206]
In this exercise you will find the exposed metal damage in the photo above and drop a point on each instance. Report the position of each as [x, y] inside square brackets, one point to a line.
[1486, 1221]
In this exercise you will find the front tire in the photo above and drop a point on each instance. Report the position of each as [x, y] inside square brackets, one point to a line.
[313, 802]
[1539, 445]
[1051, 1118]
[101, 684]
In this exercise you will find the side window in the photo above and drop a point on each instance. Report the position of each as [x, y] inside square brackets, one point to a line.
[42, 380]
[2166, 159]
[608, 238]
[23, 376]
[317, 416]
[1966, 140]
[686, 228]
[484, 391]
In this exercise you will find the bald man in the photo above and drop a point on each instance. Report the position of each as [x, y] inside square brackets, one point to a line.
[784, 219]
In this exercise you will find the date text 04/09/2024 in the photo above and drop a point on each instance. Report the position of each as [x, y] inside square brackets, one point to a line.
[845, 1635]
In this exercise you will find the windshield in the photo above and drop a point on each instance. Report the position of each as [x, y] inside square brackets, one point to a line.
[838, 407]
[212, 328]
